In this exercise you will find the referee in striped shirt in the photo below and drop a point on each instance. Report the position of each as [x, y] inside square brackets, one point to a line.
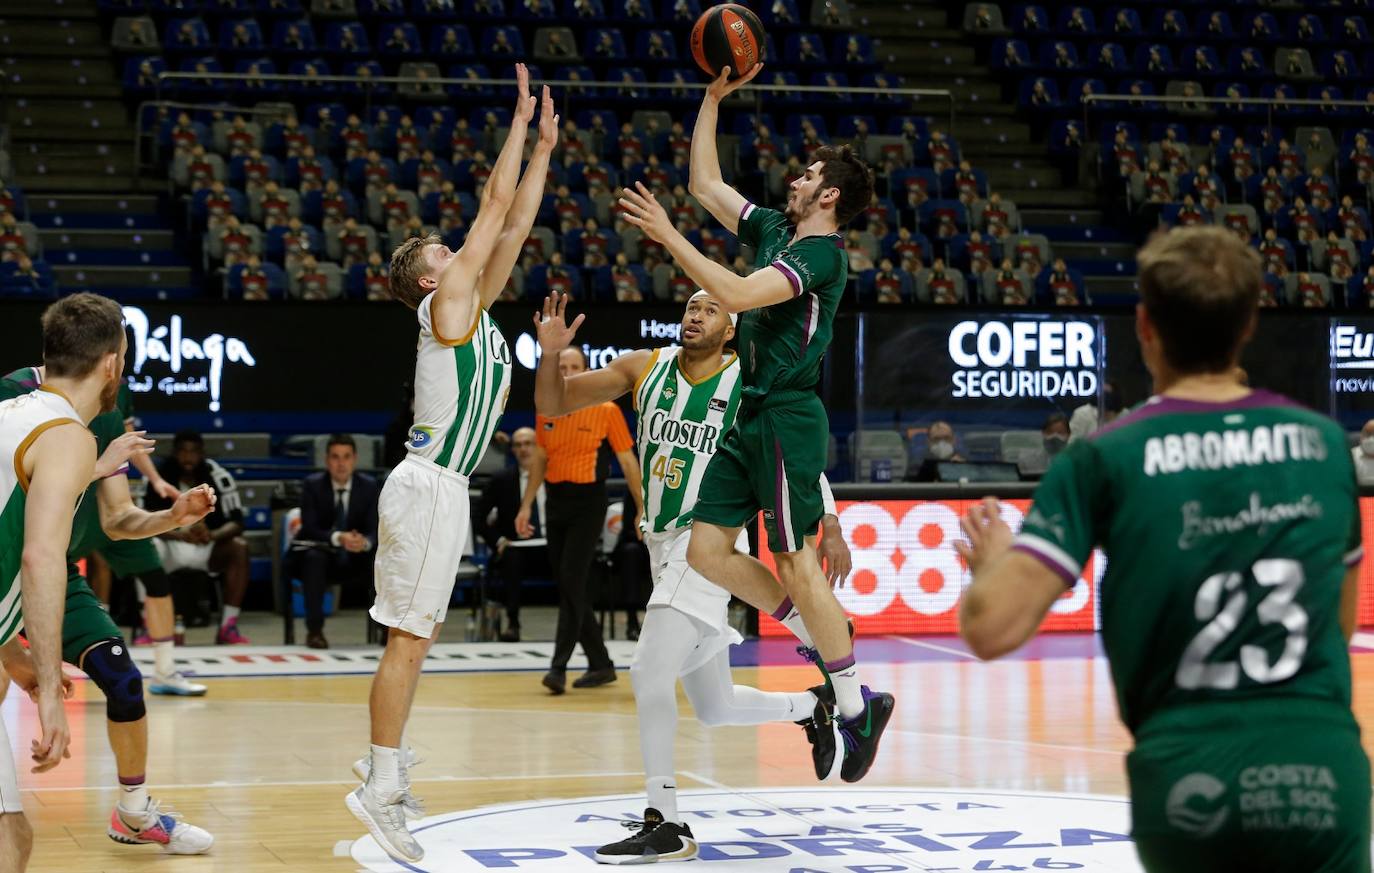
[575, 484]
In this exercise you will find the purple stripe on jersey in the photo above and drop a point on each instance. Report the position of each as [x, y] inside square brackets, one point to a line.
[745, 211]
[1353, 558]
[1068, 578]
[1162, 405]
[792, 277]
[122, 471]
[783, 609]
[842, 664]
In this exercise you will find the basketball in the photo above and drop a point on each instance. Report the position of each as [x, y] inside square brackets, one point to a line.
[727, 35]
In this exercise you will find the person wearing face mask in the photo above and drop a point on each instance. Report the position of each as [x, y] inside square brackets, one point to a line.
[1055, 434]
[1364, 454]
[940, 448]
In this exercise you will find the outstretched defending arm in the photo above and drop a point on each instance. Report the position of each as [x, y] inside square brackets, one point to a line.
[554, 395]
[453, 299]
[523, 210]
[706, 183]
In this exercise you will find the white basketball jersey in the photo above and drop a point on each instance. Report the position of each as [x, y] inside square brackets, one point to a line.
[22, 420]
[461, 387]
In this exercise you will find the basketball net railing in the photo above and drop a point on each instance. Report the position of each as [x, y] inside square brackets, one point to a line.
[423, 91]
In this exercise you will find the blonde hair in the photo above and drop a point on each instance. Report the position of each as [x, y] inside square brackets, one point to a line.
[408, 265]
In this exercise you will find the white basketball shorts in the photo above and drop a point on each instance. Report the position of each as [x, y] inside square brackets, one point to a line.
[422, 526]
[678, 586]
[9, 773]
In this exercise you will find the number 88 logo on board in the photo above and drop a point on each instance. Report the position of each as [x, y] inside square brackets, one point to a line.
[907, 575]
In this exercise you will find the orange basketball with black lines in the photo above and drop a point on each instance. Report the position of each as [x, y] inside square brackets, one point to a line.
[727, 35]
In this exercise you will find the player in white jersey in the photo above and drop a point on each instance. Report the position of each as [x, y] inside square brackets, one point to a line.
[686, 397]
[462, 376]
[45, 433]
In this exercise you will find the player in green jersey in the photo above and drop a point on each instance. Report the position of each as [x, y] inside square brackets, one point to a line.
[687, 398]
[86, 620]
[93, 642]
[1231, 525]
[772, 459]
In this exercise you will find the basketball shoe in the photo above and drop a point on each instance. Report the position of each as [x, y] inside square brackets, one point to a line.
[152, 825]
[414, 807]
[386, 820]
[657, 840]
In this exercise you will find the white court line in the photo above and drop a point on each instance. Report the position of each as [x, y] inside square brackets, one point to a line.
[705, 781]
[305, 783]
[920, 644]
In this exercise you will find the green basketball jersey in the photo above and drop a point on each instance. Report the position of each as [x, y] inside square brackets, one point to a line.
[87, 534]
[1228, 529]
[781, 346]
[680, 424]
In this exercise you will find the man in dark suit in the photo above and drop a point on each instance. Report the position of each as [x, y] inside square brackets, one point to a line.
[514, 559]
[337, 540]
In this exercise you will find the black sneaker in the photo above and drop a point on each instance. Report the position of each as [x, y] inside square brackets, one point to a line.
[657, 840]
[821, 731]
[862, 733]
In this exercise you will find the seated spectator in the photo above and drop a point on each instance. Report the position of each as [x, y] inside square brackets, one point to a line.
[337, 540]
[1055, 435]
[12, 242]
[1364, 454]
[308, 281]
[887, 283]
[515, 558]
[1011, 285]
[859, 260]
[214, 544]
[624, 281]
[253, 280]
[940, 447]
[1064, 291]
[943, 289]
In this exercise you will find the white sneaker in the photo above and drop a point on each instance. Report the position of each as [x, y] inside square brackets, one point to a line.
[386, 821]
[152, 825]
[175, 685]
[414, 806]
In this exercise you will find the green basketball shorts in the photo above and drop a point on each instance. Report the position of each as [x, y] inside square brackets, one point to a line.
[130, 557]
[771, 460]
[1284, 789]
[85, 621]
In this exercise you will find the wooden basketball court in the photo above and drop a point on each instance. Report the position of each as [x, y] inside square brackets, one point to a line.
[263, 761]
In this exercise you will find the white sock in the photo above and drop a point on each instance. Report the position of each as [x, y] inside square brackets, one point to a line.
[801, 705]
[231, 613]
[163, 657]
[134, 798]
[792, 620]
[662, 791]
[386, 771]
[844, 678]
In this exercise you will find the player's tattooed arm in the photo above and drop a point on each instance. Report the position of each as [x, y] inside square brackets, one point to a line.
[525, 208]
[555, 395]
[1011, 591]
[706, 183]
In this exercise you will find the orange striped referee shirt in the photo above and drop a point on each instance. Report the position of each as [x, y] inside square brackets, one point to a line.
[572, 441]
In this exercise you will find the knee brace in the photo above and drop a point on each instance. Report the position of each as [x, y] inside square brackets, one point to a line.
[113, 671]
[156, 583]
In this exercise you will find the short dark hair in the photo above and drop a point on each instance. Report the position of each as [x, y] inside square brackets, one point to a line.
[1053, 419]
[1200, 287]
[184, 437]
[843, 168]
[78, 331]
[341, 439]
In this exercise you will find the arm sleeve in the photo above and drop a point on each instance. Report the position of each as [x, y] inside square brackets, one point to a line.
[828, 497]
[1059, 530]
[809, 264]
[617, 431]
